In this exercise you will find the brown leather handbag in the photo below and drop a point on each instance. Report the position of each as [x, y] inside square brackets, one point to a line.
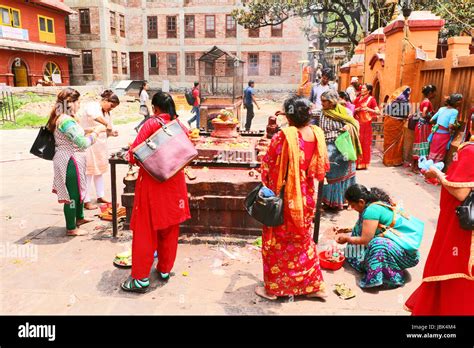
[166, 151]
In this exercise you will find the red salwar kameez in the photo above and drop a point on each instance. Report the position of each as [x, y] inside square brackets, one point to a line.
[290, 259]
[159, 208]
[365, 123]
[448, 277]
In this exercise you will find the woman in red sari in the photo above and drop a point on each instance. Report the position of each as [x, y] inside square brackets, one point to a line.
[158, 210]
[290, 259]
[448, 277]
[366, 110]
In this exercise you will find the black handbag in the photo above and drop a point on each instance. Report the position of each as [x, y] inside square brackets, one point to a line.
[413, 121]
[267, 210]
[44, 146]
[465, 213]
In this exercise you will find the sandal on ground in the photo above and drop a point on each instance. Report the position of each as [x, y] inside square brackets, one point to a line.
[135, 285]
[90, 206]
[165, 277]
[76, 232]
[260, 291]
[81, 222]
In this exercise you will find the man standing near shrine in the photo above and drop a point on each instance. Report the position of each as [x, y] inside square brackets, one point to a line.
[249, 99]
[319, 88]
[353, 89]
[197, 103]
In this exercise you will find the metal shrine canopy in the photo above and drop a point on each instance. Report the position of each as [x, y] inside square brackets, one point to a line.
[221, 74]
[215, 53]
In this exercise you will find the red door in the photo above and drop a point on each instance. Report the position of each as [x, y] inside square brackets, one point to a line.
[136, 66]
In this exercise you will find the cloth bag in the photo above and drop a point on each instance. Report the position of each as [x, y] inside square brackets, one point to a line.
[44, 145]
[344, 145]
[166, 151]
[408, 233]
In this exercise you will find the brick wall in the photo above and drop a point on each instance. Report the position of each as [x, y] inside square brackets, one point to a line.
[292, 45]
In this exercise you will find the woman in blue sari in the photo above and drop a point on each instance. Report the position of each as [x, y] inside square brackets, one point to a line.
[380, 259]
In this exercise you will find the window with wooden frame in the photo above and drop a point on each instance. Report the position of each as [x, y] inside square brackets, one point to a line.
[124, 63]
[275, 68]
[114, 62]
[46, 29]
[68, 25]
[190, 64]
[85, 21]
[122, 25]
[113, 23]
[254, 32]
[153, 64]
[189, 26]
[277, 30]
[152, 27]
[10, 16]
[230, 26]
[171, 29]
[253, 64]
[172, 63]
[210, 26]
[87, 65]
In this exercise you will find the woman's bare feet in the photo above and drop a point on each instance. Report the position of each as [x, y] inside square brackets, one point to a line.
[81, 222]
[260, 291]
[102, 200]
[76, 232]
[319, 294]
[90, 206]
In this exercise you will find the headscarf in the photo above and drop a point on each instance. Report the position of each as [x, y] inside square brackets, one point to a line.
[339, 113]
[401, 94]
[398, 103]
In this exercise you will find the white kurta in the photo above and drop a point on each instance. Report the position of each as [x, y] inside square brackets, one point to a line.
[97, 156]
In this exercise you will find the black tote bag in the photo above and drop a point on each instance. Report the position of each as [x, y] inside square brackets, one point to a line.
[44, 146]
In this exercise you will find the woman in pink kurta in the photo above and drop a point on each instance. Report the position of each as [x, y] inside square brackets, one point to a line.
[97, 161]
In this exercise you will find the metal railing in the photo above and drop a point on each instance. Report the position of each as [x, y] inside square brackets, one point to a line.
[7, 106]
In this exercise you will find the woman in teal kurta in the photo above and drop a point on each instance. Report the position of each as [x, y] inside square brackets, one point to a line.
[382, 260]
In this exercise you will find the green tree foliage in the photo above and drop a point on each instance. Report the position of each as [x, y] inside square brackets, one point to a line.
[345, 18]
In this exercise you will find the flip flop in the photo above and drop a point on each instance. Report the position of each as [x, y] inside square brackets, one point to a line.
[344, 291]
[134, 285]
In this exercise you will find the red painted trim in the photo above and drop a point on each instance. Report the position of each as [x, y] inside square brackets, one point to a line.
[374, 37]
